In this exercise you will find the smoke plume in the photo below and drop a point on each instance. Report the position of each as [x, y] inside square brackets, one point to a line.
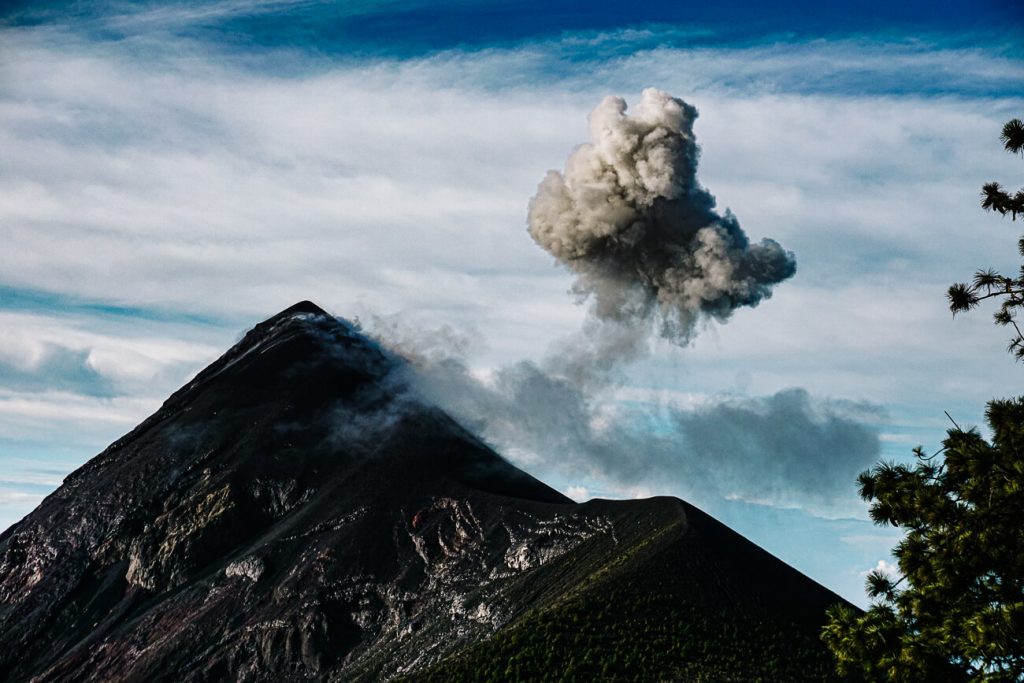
[646, 245]
[788, 448]
[629, 219]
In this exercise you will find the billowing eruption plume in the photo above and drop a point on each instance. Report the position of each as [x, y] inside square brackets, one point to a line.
[646, 244]
[629, 218]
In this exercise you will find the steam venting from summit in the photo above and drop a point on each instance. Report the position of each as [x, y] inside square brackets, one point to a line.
[629, 219]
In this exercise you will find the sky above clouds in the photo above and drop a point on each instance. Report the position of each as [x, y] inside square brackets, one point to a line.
[172, 173]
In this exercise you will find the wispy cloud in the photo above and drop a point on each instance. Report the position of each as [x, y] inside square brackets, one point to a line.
[21, 498]
[47, 352]
[348, 184]
[178, 183]
[24, 413]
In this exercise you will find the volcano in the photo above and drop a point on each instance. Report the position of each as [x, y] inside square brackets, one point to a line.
[297, 512]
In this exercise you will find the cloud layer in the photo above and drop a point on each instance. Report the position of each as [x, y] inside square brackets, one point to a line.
[172, 175]
[179, 181]
[183, 181]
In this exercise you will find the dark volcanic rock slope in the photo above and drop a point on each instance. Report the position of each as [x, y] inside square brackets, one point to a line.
[294, 513]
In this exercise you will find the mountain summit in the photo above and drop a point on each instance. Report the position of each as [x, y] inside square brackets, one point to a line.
[296, 512]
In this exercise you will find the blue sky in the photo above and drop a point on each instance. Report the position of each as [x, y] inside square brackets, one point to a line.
[174, 172]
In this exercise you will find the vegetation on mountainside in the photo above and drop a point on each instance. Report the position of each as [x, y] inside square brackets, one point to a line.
[633, 620]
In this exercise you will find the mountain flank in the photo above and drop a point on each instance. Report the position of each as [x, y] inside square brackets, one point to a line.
[296, 512]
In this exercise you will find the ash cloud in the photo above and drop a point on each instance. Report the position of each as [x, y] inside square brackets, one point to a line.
[651, 253]
[786, 449]
[630, 220]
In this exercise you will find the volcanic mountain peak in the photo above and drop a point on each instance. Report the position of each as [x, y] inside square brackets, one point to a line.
[304, 334]
[297, 512]
[301, 353]
[304, 306]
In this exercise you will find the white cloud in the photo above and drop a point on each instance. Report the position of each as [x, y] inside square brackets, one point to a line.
[24, 412]
[887, 568]
[33, 479]
[26, 339]
[578, 493]
[895, 438]
[21, 498]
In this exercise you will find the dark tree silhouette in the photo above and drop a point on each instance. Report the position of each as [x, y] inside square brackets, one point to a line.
[1013, 136]
[956, 610]
[988, 284]
[956, 613]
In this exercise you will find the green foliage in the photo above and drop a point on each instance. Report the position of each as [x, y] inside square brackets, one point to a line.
[989, 284]
[621, 634]
[957, 611]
